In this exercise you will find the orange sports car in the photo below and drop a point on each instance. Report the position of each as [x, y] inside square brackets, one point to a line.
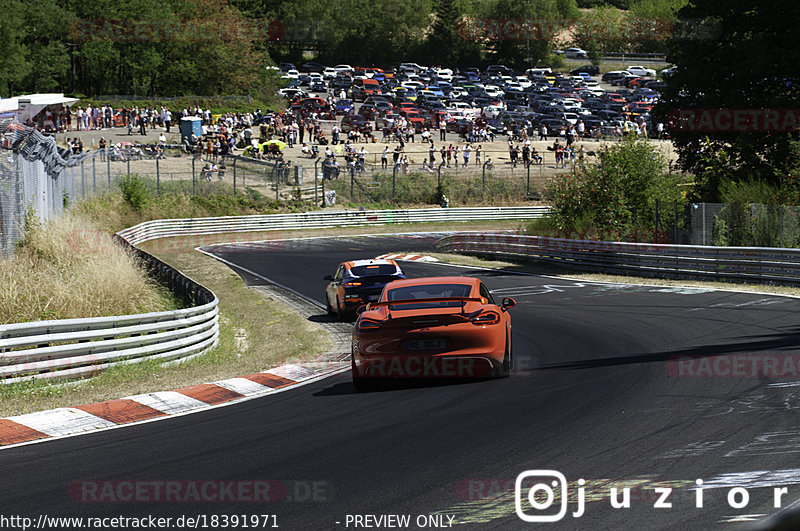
[434, 327]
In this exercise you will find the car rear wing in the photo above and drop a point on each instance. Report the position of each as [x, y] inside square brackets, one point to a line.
[462, 300]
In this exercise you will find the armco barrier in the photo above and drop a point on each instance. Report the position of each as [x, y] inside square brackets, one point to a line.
[164, 228]
[754, 264]
[74, 348]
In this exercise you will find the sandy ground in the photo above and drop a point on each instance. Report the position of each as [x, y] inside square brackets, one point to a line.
[179, 166]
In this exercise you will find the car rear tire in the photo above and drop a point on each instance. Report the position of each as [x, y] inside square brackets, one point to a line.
[504, 369]
[361, 384]
[328, 305]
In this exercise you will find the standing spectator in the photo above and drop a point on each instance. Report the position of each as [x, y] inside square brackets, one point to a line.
[143, 121]
[102, 144]
[449, 155]
[167, 119]
[79, 118]
[478, 155]
[543, 133]
[442, 131]
[385, 157]
[467, 150]
[432, 155]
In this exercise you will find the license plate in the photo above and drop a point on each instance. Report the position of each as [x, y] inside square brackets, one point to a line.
[426, 344]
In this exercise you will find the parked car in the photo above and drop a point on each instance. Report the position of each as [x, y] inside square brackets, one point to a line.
[641, 71]
[353, 121]
[573, 53]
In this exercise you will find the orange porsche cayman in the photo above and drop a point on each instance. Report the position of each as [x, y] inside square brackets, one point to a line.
[434, 327]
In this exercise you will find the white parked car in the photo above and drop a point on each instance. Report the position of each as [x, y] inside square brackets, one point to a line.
[293, 74]
[329, 72]
[493, 91]
[524, 82]
[641, 71]
[343, 69]
[572, 53]
[445, 74]
[413, 85]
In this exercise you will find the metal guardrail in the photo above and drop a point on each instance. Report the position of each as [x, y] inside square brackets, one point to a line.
[76, 348]
[79, 348]
[164, 228]
[755, 264]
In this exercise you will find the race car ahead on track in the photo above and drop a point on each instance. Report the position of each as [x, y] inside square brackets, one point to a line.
[357, 283]
[435, 327]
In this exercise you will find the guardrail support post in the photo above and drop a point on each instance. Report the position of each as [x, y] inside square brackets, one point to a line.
[528, 185]
[439, 176]
[83, 183]
[108, 168]
[394, 179]
[316, 180]
[194, 179]
[158, 178]
[352, 181]
[483, 191]
[675, 225]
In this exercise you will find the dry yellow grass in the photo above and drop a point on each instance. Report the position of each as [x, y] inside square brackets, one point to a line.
[69, 268]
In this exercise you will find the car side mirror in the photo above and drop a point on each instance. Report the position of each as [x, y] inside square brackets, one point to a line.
[507, 303]
[327, 277]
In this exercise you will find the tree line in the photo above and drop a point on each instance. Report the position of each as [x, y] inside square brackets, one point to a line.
[212, 47]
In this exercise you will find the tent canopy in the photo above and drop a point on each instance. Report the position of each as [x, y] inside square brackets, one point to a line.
[29, 105]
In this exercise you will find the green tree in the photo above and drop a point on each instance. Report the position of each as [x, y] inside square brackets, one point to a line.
[617, 194]
[527, 28]
[736, 55]
[14, 65]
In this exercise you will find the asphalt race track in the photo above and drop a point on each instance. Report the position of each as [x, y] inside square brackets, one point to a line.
[598, 393]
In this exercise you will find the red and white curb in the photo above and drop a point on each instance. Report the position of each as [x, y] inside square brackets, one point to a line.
[88, 418]
[406, 257]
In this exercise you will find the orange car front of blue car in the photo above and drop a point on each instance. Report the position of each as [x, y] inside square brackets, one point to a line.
[434, 327]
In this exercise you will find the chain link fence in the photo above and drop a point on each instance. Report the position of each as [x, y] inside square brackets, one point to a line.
[37, 176]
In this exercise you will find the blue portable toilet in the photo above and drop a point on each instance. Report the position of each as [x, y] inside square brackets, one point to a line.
[189, 125]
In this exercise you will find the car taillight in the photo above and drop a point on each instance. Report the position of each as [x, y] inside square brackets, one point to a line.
[351, 284]
[486, 318]
[368, 325]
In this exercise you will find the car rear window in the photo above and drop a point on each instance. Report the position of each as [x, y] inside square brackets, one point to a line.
[430, 291]
[375, 269]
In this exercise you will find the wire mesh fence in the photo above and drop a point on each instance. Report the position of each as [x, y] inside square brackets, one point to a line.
[38, 178]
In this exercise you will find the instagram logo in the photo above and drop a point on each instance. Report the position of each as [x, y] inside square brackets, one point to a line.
[534, 492]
